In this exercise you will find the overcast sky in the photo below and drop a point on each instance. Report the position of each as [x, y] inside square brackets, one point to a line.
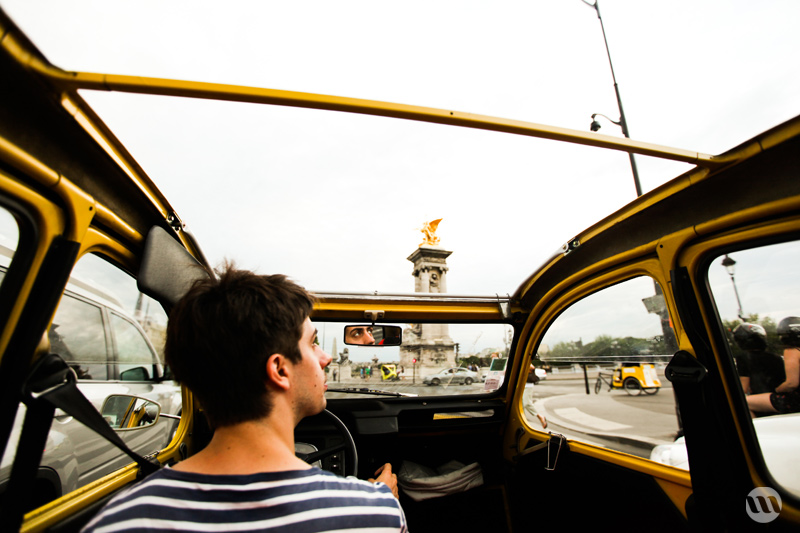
[336, 200]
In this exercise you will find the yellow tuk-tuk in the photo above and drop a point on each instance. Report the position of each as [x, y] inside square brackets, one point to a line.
[389, 373]
[633, 377]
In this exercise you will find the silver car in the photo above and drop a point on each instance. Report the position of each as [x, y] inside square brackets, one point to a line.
[447, 376]
[111, 355]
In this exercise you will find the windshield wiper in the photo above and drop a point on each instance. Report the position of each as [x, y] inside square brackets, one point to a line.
[375, 392]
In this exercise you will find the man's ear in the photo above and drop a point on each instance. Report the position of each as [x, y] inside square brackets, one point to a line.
[279, 368]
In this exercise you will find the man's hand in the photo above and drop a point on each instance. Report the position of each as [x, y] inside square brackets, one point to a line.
[386, 477]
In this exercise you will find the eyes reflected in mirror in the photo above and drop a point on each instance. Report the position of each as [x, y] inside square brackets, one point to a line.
[368, 334]
[124, 412]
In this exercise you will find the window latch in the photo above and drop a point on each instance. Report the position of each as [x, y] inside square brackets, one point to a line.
[554, 445]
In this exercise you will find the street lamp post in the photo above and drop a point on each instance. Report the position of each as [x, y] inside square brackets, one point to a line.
[622, 123]
[730, 268]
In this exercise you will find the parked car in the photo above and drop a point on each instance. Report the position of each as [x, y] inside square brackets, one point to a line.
[111, 355]
[450, 376]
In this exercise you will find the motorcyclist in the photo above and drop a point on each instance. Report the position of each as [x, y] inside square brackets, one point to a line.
[786, 398]
[759, 370]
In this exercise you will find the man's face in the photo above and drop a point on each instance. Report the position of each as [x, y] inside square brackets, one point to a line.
[310, 371]
[358, 335]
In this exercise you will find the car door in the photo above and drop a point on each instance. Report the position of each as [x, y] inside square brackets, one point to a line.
[649, 285]
[91, 333]
[78, 334]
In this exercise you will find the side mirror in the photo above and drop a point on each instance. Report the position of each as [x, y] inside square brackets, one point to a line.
[124, 412]
[372, 335]
[139, 373]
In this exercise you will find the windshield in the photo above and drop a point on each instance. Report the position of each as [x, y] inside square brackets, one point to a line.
[348, 194]
[432, 359]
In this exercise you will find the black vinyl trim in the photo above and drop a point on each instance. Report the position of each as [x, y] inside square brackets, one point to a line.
[715, 455]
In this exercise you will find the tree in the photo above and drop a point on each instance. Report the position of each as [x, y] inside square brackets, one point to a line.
[607, 348]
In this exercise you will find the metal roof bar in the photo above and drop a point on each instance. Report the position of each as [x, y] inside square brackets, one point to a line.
[240, 93]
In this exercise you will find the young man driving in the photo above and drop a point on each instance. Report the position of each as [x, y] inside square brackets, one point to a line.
[246, 348]
[358, 335]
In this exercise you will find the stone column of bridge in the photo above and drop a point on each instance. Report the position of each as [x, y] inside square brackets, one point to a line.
[430, 344]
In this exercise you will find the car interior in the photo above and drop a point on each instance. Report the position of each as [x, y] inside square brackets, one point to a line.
[641, 290]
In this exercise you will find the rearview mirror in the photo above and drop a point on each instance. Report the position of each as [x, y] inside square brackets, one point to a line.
[369, 334]
[125, 412]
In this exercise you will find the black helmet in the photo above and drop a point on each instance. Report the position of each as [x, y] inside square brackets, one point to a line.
[789, 331]
[750, 336]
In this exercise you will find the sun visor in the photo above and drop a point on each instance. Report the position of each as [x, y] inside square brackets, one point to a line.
[168, 270]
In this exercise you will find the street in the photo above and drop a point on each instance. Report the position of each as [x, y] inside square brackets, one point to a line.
[610, 418]
[613, 419]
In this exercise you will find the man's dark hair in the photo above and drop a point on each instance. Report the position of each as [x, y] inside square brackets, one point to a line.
[221, 334]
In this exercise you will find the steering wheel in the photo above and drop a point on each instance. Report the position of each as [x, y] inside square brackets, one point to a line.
[326, 419]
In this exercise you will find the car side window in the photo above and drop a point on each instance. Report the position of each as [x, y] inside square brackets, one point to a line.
[755, 291]
[606, 355]
[117, 291]
[94, 330]
[135, 356]
[9, 237]
[78, 336]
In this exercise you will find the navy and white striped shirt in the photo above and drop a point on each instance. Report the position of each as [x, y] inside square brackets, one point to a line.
[297, 501]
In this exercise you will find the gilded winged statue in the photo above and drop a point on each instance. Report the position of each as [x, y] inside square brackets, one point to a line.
[429, 231]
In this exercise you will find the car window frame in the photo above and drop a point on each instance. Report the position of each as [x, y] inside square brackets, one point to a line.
[569, 292]
[41, 222]
[698, 258]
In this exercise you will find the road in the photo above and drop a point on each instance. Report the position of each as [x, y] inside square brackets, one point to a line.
[613, 419]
